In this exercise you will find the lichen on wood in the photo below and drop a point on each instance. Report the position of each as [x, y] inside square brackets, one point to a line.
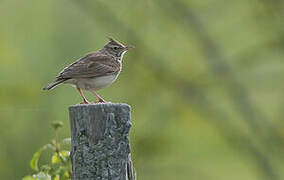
[100, 142]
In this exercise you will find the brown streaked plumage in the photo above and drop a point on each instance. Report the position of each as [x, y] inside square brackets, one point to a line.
[94, 71]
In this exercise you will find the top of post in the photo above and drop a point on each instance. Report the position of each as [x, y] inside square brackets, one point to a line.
[94, 120]
[101, 105]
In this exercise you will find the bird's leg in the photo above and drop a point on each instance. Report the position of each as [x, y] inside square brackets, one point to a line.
[100, 99]
[82, 95]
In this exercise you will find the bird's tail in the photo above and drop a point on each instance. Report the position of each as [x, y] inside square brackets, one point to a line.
[54, 84]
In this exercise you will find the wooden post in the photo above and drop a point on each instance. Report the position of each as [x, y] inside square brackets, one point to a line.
[100, 142]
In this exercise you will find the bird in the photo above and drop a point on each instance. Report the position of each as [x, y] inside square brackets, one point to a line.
[94, 71]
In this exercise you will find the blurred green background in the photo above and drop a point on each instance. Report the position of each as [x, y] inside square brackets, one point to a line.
[205, 82]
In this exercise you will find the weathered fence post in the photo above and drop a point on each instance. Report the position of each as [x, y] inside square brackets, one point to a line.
[100, 142]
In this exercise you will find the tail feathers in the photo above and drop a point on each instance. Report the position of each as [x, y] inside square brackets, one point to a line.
[54, 84]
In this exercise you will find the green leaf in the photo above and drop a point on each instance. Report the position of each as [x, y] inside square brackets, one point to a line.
[34, 161]
[55, 158]
[64, 154]
[60, 172]
[56, 178]
[45, 168]
[57, 124]
[66, 175]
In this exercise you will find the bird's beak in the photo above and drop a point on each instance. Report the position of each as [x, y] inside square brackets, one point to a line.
[129, 47]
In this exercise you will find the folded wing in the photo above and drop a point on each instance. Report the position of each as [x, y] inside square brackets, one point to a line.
[92, 65]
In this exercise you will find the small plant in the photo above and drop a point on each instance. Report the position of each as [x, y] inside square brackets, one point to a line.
[59, 167]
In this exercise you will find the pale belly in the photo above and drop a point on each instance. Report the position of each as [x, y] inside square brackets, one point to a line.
[93, 84]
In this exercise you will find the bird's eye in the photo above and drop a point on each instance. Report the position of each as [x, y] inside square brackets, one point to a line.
[115, 48]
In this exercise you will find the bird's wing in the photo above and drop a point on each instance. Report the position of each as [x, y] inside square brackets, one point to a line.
[92, 65]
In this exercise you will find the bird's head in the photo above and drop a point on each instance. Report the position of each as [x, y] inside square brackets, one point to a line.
[116, 48]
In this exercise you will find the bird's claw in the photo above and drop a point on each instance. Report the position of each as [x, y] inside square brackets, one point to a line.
[85, 102]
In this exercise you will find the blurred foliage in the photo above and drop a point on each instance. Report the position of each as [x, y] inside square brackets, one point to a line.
[59, 166]
[205, 82]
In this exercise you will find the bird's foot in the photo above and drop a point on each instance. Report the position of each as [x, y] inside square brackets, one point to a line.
[101, 101]
[85, 102]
